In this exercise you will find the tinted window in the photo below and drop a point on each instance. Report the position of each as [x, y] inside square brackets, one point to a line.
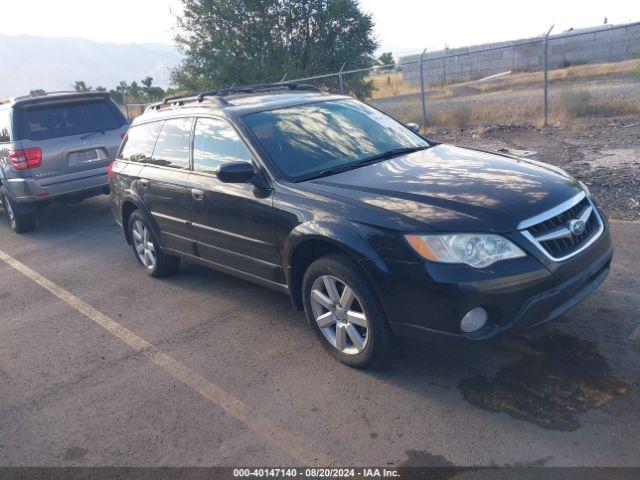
[306, 139]
[215, 143]
[172, 147]
[51, 121]
[4, 125]
[141, 139]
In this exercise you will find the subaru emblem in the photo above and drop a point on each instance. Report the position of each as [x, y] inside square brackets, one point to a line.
[577, 227]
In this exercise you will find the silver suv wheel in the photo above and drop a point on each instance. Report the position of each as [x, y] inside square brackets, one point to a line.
[339, 314]
[143, 244]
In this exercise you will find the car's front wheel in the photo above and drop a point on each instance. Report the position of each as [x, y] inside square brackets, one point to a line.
[19, 222]
[155, 262]
[344, 312]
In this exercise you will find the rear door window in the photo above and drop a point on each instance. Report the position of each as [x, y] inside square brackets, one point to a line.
[174, 141]
[47, 121]
[140, 141]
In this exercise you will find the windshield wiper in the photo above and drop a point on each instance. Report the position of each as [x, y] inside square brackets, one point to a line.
[84, 137]
[339, 169]
[393, 152]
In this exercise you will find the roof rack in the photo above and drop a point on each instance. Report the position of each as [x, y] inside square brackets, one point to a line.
[265, 87]
[220, 93]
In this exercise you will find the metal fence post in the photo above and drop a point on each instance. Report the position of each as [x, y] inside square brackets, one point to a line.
[546, 75]
[340, 79]
[424, 102]
[444, 66]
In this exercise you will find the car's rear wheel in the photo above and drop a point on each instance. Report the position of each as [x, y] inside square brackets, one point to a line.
[146, 249]
[344, 312]
[19, 222]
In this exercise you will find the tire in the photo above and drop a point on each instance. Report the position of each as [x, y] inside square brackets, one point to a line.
[360, 318]
[147, 250]
[19, 222]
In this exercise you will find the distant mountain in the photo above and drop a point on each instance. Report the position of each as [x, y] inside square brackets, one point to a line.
[30, 62]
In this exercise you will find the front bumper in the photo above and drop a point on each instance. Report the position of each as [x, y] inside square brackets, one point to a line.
[432, 298]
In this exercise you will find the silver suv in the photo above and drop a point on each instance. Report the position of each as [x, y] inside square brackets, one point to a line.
[55, 147]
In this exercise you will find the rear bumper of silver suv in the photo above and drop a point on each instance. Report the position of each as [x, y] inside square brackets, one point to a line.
[26, 191]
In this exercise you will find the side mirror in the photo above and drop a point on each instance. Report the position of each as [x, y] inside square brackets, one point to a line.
[414, 127]
[236, 172]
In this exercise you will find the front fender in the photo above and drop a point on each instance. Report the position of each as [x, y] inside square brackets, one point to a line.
[352, 239]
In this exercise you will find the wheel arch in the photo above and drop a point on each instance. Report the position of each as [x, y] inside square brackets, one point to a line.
[309, 242]
[131, 203]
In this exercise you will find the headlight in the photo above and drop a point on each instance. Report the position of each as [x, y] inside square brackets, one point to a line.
[476, 249]
[585, 188]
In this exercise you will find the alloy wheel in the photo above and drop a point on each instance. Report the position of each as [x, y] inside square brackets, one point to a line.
[339, 314]
[143, 244]
[9, 210]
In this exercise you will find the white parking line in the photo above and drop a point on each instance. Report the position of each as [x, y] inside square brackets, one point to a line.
[212, 392]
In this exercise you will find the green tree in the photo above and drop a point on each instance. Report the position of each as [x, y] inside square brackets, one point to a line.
[122, 88]
[155, 93]
[134, 90]
[81, 86]
[146, 85]
[100, 89]
[246, 41]
[387, 59]
[37, 91]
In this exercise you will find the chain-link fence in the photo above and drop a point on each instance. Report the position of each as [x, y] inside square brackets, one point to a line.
[579, 73]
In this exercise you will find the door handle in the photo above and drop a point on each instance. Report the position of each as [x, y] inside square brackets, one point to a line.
[144, 183]
[198, 195]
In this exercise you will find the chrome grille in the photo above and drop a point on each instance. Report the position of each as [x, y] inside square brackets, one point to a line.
[564, 234]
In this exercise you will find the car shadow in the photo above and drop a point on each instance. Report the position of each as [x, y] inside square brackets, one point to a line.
[545, 376]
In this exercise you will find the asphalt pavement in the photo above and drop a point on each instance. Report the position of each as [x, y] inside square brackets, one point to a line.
[102, 365]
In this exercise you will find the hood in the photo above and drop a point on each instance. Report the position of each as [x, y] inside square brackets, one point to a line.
[455, 189]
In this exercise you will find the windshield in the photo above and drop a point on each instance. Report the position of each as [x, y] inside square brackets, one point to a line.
[312, 140]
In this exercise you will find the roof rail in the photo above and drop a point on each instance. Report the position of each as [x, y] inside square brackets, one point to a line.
[256, 88]
[220, 93]
[178, 100]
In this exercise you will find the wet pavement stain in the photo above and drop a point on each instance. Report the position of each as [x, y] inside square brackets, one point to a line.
[420, 458]
[439, 467]
[74, 453]
[558, 377]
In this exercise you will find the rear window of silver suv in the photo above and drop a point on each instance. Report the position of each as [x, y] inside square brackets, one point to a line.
[42, 122]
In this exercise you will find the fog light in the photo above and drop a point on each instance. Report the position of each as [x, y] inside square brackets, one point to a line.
[474, 320]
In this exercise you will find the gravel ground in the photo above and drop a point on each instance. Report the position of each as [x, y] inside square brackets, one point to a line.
[604, 153]
[517, 105]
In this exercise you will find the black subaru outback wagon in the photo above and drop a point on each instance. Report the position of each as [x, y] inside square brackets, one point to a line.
[370, 228]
